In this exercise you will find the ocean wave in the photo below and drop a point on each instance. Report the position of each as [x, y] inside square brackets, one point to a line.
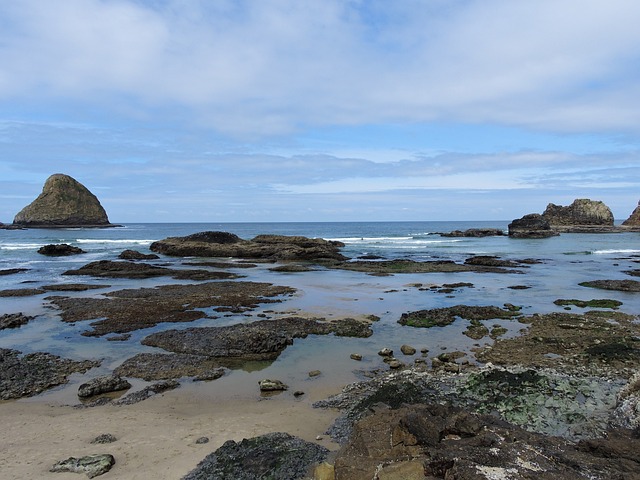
[114, 242]
[616, 251]
[393, 241]
[20, 246]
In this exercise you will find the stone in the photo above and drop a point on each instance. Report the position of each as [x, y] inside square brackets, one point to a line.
[91, 465]
[268, 385]
[532, 225]
[385, 352]
[271, 456]
[355, 356]
[64, 202]
[100, 385]
[634, 218]
[407, 350]
[475, 232]
[104, 438]
[407, 470]
[315, 373]
[135, 255]
[166, 366]
[202, 440]
[324, 471]
[112, 269]
[148, 392]
[60, 250]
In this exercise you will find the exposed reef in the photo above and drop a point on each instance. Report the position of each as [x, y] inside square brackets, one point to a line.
[272, 247]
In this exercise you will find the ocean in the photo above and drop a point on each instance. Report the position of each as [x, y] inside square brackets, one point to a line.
[565, 261]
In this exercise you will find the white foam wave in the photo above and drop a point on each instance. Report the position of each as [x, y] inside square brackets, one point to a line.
[104, 241]
[20, 246]
[392, 241]
[616, 251]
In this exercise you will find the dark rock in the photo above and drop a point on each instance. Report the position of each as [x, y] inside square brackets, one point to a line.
[407, 350]
[581, 212]
[21, 292]
[91, 465]
[60, 250]
[100, 385]
[356, 356]
[13, 320]
[315, 373]
[104, 438]
[270, 456]
[475, 232]
[12, 271]
[135, 255]
[634, 218]
[274, 247]
[389, 267]
[163, 366]
[620, 285]
[4, 226]
[261, 340]
[532, 225]
[72, 287]
[202, 440]
[64, 202]
[34, 373]
[291, 268]
[124, 311]
[385, 352]
[490, 261]
[111, 269]
[147, 392]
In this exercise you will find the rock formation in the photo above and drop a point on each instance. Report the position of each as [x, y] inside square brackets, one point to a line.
[582, 212]
[634, 218]
[64, 202]
[273, 247]
[532, 225]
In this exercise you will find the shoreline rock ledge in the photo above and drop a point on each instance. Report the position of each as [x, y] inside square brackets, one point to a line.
[64, 202]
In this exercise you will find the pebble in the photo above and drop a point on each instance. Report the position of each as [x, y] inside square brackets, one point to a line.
[355, 356]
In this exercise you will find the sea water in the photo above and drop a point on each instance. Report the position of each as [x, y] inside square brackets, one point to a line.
[565, 261]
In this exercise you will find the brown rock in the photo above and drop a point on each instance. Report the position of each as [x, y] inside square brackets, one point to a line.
[634, 218]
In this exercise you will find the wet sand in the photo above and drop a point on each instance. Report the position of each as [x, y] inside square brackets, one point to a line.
[155, 438]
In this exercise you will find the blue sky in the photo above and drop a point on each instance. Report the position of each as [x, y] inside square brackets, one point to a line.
[321, 110]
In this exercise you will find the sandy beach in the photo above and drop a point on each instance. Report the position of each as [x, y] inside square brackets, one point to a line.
[155, 438]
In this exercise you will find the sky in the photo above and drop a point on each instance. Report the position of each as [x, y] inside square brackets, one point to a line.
[321, 110]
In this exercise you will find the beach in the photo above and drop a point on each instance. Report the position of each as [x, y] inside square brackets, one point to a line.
[521, 280]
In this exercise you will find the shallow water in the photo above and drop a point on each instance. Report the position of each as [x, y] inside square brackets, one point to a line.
[567, 260]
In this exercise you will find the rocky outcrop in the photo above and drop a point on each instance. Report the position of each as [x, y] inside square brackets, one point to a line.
[270, 456]
[634, 218]
[581, 212]
[532, 225]
[13, 320]
[64, 202]
[31, 374]
[475, 232]
[100, 385]
[440, 441]
[272, 247]
[135, 255]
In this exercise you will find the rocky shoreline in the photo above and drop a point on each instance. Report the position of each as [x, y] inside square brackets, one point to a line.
[559, 400]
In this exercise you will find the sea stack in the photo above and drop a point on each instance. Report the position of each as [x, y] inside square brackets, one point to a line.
[634, 218]
[582, 212]
[64, 202]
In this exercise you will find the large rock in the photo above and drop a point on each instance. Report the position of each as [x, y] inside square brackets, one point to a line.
[532, 225]
[63, 202]
[270, 456]
[273, 247]
[581, 212]
[634, 218]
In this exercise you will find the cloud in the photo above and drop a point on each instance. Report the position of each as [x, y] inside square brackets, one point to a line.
[252, 69]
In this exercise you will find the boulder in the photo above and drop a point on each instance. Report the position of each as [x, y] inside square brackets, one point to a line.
[100, 385]
[135, 255]
[60, 250]
[581, 212]
[634, 218]
[64, 202]
[92, 465]
[532, 225]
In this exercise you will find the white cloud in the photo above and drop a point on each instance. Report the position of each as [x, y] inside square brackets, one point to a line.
[254, 68]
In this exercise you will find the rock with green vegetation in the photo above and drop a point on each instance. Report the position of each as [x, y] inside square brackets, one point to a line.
[619, 285]
[92, 465]
[274, 456]
[595, 303]
[64, 202]
[440, 317]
